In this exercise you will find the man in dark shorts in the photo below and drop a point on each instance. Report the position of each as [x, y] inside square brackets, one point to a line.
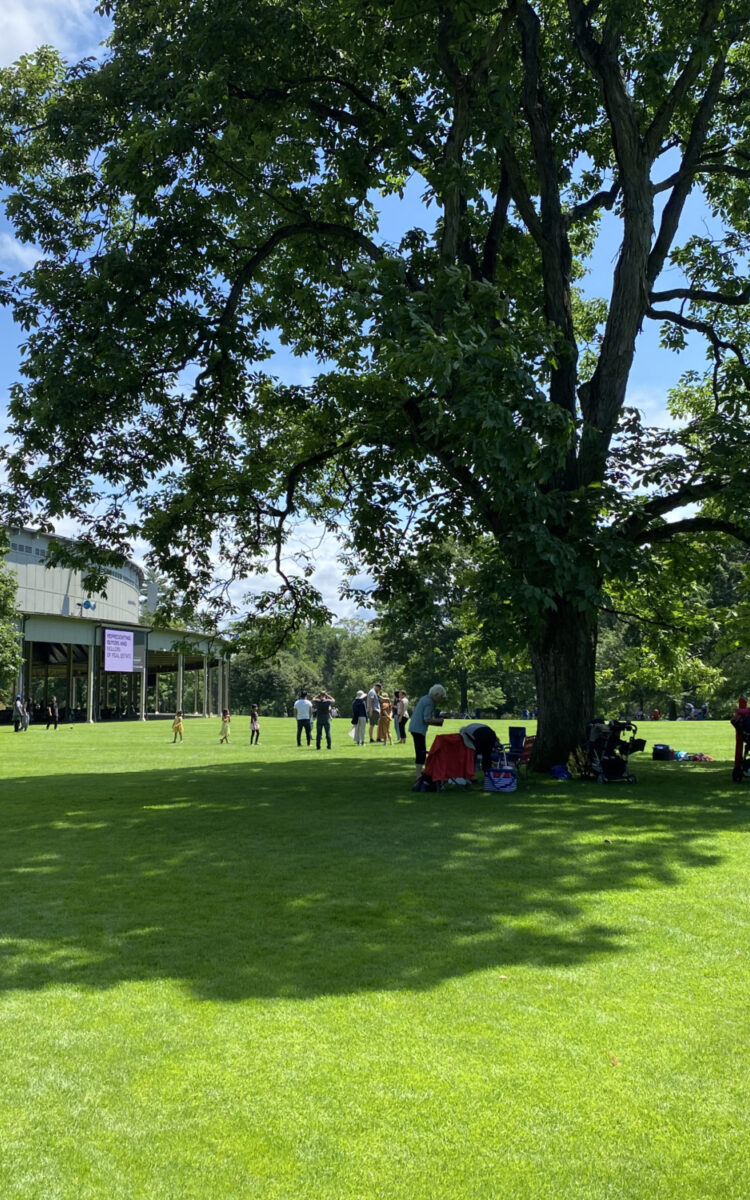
[373, 708]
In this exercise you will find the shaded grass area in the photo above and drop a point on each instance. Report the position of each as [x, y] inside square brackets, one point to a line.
[280, 973]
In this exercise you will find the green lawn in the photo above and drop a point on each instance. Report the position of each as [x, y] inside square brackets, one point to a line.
[267, 972]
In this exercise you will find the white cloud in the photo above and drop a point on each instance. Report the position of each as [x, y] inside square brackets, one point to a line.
[652, 402]
[71, 26]
[15, 254]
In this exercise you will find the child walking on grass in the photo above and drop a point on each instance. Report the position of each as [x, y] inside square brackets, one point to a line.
[254, 725]
[177, 726]
[225, 719]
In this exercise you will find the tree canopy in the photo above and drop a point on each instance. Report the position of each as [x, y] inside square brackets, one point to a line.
[211, 187]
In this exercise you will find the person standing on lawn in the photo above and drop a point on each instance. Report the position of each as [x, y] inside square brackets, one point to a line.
[323, 704]
[373, 707]
[177, 727]
[359, 718]
[254, 725]
[53, 713]
[425, 714]
[384, 724]
[303, 713]
[225, 723]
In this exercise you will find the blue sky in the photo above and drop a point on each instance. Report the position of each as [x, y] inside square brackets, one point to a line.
[74, 28]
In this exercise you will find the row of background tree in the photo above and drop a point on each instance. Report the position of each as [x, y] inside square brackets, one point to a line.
[429, 633]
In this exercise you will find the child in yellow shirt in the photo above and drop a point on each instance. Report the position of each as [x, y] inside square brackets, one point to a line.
[177, 726]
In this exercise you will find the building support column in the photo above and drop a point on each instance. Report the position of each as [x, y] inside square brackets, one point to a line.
[144, 688]
[180, 681]
[28, 659]
[205, 686]
[70, 702]
[91, 650]
[21, 675]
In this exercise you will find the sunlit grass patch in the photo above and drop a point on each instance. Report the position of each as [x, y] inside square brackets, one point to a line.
[235, 970]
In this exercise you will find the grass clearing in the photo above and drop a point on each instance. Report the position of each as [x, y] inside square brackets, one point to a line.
[234, 971]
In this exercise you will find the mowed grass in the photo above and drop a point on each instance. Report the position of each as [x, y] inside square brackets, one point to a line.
[267, 972]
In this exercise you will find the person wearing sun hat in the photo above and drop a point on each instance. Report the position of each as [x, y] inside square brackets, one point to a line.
[359, 718]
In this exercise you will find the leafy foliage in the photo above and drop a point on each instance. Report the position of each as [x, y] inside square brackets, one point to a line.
[10, 645]
[212, 185]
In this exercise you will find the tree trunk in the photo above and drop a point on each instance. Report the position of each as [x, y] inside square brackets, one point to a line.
[463, 687]
[564, 661]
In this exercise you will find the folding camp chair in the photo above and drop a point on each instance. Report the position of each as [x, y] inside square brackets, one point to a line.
[516, 740]
[524, 757]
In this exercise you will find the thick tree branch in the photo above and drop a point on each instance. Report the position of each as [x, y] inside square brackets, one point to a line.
[703, 327]
[445, 455]
[557, 257]
[518, 190]
[672, 213]
[682, 86]
[284, 91]
[247, 271]
[296, 473]
[282, 234]
[690, 525]
[703, 296]
[497, 224]
[637, 619]
[703, 167]
[602, 396]
[633, 528]
[587, 208]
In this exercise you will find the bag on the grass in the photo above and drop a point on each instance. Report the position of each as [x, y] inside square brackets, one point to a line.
[662, 753]
[500, 779]
[352, 732]
[425, 784]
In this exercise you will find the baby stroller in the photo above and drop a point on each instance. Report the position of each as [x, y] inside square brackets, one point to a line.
[606, 751]
[741, 722]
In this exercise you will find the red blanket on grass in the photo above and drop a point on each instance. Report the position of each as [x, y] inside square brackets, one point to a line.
[449, 758]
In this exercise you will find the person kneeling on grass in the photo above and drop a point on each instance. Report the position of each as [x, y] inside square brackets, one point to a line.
[177, 726]
[225, 719]
[425, 713]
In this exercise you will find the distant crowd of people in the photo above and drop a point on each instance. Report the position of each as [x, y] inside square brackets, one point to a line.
[26, 711]
[377, 718]
[690, 712]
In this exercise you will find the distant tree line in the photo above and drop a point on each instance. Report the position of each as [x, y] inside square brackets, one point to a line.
[652, 654]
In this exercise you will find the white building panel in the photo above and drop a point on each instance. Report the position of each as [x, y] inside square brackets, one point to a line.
[60, 590]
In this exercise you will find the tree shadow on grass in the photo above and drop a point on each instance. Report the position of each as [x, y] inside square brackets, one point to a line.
[271, 881]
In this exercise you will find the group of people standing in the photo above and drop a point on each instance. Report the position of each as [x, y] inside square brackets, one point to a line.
[376, 710]
[322, 707]
[23, 709]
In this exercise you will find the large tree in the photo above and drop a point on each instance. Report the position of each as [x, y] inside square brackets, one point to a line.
[213, 184]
